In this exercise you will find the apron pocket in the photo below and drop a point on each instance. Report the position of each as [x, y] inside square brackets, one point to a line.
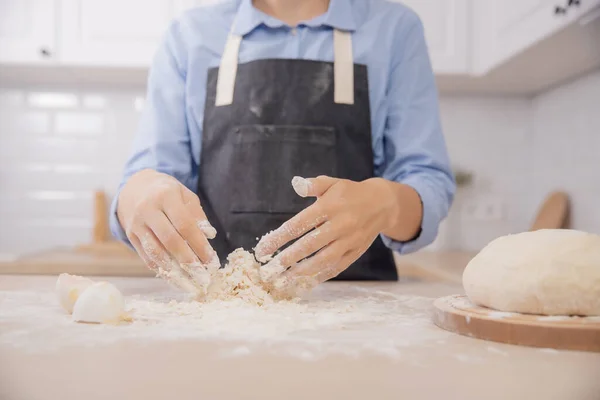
[267, 157]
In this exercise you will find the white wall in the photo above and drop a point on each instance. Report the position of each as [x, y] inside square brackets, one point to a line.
[520, 150]
[58, 146]
[492, 139]
[567, 147]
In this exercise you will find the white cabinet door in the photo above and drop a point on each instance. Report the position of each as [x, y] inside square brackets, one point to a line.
[113, 32]
[27, 31]
[446, 26]
[505, 28]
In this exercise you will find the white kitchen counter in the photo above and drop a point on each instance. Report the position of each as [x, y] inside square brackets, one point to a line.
[440, 365]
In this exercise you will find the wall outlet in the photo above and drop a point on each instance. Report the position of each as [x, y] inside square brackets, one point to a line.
[486, 209]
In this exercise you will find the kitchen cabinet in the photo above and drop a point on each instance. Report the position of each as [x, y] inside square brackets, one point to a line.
[446, 26]
[505, 28]
[476, 46]
[112, 32]
[27, 31]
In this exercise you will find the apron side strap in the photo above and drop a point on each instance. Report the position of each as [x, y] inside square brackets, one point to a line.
[228, 71]
[343, 67]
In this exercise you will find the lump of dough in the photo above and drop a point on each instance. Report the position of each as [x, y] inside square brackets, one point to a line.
[101, 303]
[549, 272]
[69, 288]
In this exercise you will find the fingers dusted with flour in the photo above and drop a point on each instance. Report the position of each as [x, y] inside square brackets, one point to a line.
[186, 215]
[300, 224]
[312, 187]
[335, 231]
[165, 223]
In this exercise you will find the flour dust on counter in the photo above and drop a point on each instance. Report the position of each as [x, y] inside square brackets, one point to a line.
[335, 318]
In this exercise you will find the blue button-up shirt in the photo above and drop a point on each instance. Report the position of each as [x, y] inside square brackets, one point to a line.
[388, 37]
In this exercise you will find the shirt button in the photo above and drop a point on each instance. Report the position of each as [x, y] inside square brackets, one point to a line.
[293, 31]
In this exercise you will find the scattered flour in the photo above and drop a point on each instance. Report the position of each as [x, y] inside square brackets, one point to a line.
[550, 318]
[494, 350]
[500, 314]
[462, 303]
[549, 351]
[333, 319]
[469, 359]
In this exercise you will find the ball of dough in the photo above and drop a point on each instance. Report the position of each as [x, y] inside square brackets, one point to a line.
[101, 303]
[69, 288]
[549, 272]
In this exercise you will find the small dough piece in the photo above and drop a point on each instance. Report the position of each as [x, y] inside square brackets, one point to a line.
[548, 272]
[69, 288]
[101, 303]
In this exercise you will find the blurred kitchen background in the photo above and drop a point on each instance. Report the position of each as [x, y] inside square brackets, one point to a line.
[519, 83]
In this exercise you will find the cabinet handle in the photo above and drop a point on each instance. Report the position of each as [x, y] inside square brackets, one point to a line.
[558, 10]
[44, 52]
[572, 3]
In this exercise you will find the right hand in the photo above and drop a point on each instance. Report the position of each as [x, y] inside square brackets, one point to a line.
[165, 223]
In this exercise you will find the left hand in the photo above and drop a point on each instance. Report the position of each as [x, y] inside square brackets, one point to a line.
[339, 227]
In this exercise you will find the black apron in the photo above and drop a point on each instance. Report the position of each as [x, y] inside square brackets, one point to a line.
[283, 120]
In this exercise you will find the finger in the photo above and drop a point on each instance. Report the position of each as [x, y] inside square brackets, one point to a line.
[200, 271]
[153, 249]
[167, 267]
[287, 288]
[324, 262]
[169, 237]
[192, 203]
[330, 273]
[297, 226]
[312, 187]
[135, 242]
[307, 245]
[306, 275]
[304, 247]
[185, 218]
[209, 231]
[348, 259]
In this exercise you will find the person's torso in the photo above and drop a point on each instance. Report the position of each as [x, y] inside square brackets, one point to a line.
[375, 43]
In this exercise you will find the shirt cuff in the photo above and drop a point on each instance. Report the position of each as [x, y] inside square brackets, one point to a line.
[115, 226]
[429, 223]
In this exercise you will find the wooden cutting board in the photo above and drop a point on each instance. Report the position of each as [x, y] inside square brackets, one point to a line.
[457, 314]
[553, 213]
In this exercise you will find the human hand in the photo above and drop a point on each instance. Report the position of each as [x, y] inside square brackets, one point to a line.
[165, 223]
[336, 230]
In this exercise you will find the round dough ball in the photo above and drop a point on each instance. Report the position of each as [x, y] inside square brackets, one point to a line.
[69, 288]
[101, 303]
[549, 272]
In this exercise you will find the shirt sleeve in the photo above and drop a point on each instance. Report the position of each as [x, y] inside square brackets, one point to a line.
[415, 149]
[162, 141]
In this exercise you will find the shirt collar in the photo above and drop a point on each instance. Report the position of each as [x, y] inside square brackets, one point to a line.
[339, 15]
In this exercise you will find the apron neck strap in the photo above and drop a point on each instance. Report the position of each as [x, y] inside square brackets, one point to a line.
[228, 70]
[343, 69]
